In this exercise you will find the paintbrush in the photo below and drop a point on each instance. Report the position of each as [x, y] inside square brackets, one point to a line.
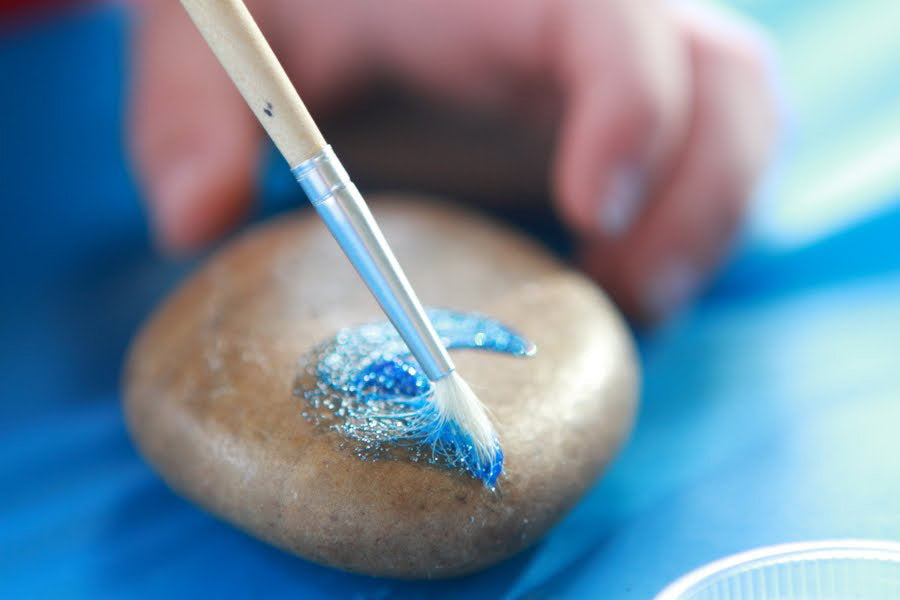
[237, 42]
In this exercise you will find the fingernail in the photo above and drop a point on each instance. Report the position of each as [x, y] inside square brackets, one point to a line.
[670, 289]
[167, 209]
[620, 201]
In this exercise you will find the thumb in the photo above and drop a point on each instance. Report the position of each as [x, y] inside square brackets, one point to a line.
[195, 144]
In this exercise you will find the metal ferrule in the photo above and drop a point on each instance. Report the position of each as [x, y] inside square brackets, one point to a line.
[344, 211]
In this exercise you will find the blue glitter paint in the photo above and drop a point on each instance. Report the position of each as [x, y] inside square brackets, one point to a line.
[365, 384]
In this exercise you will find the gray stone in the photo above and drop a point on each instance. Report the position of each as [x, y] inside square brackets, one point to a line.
[210, 404]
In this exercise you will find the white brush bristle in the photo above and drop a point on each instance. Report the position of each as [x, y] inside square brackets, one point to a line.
[456, 401]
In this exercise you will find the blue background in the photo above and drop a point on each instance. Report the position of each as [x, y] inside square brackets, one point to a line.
[770, 412]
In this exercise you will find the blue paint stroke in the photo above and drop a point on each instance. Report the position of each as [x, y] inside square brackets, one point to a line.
[365, 383]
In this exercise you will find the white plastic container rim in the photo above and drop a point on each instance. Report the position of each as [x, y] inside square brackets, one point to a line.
[831, 569]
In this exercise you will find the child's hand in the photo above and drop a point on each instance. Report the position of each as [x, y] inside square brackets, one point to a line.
[665, 117]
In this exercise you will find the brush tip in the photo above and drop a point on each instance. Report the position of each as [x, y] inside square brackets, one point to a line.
[460, 405]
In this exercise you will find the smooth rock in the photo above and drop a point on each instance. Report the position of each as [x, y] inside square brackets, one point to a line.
[209, 398]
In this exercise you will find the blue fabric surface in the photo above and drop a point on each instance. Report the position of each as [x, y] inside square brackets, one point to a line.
[770, 413]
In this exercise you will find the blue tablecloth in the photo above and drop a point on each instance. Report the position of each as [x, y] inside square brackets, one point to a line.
[770, 413]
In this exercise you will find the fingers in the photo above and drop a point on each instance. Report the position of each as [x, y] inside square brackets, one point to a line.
[625, 81]
[195, 143]
[693, 216]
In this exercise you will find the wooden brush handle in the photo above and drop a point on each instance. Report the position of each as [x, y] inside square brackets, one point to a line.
[237, 42]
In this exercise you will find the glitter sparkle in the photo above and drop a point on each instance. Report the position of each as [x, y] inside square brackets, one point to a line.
[365, 384]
